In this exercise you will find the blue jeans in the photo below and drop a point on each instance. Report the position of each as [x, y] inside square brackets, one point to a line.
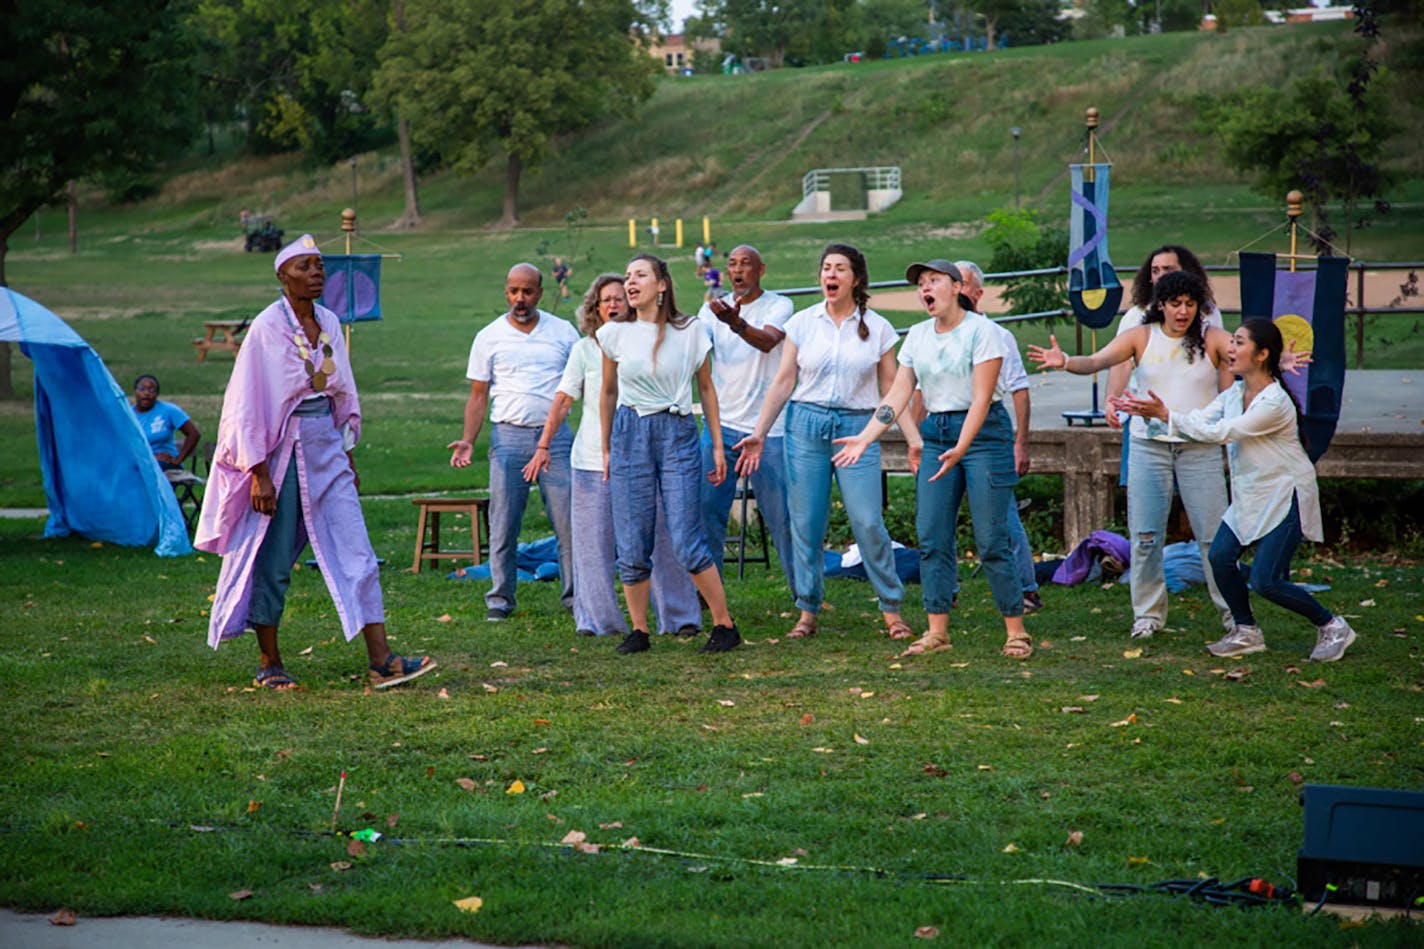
[986, 473]
[511, 447]
[1022, 551]
[655, 461]
[769, 484]
[1269, 573]
[1200, 479]
[810, 433]
[595, 599]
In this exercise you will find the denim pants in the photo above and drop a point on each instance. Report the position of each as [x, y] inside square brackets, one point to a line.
[810, 434]
[511, 447]
[1269, 572]
[769, 484]
[986, 473]
[1200, 479]
[595, 599]
[655, 463]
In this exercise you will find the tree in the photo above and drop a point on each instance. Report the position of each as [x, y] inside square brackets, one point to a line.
[479, 76]
[1019, 242]
[86, 86]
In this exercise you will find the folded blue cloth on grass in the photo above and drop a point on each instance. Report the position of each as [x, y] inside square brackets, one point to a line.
[535, 560]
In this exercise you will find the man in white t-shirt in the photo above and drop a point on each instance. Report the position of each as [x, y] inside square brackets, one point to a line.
[514, 370]
[746, 336]
[1012, 387]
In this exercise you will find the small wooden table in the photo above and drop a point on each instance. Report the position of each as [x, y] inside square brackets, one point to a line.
[428, 547]
[221, 334]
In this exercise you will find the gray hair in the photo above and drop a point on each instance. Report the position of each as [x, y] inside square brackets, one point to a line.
[971, 273]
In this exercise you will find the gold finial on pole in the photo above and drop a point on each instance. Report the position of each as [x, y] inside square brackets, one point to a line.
[1092, 123]
[348, 225]
[1295, 206]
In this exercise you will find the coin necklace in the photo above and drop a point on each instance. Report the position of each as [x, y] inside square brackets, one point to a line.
[317, 373]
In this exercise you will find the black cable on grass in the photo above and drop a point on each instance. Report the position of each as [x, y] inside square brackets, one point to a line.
[1245, 892]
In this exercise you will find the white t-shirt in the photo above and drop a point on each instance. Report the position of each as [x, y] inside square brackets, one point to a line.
[583, 379]
[741, 373]
[835, 368]
[1012, 375]
[523, 369]
[944, 362]
[666, 387]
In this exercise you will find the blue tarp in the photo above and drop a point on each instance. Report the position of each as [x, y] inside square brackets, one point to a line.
[100, 477]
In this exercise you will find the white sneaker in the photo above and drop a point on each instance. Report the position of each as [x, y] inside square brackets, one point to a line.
[1143, 628]
[1241, 641]
[1335, 637]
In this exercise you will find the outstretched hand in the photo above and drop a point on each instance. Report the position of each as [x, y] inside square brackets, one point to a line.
[1050, 358]
[948, 460]
[538, 464]
[1150, 407]
[750, 458]
[1292, 361]
[461, 452]
[852, 447]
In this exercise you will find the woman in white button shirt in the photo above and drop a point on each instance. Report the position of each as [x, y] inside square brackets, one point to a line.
[651, 451]
[955, 357]
[836, 361]
[1274, 500]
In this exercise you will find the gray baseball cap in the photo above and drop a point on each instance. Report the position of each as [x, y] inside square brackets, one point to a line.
[938, 265]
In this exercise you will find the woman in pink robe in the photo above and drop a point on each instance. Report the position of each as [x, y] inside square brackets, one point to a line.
[283, 475]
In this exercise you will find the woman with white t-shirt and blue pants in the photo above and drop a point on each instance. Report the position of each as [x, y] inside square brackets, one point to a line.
[596, 610]
[651, 449]
[837, 357]
[955, 358]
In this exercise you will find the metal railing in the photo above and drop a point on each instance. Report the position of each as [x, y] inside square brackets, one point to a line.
[1354, 307]
[877, 178]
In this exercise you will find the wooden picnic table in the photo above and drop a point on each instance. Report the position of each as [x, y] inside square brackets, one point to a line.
[220, 334]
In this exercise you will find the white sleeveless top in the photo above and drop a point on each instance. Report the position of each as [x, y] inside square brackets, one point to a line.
[1184, 386]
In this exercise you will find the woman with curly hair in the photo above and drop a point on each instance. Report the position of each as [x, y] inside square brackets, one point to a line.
[1186, 361]
[652, 455]
[596, 611]
[837, 362]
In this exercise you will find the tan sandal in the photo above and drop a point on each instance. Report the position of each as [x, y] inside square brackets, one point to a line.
[932, 641]
[899, 630]
[802, 630]
[1019, 647]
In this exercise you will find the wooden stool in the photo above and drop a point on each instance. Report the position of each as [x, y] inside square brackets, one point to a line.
[430, 511]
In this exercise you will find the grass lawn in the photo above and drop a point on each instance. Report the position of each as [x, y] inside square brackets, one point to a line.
[791, 792]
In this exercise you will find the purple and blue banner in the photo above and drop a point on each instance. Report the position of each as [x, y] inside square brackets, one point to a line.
[353, 286]
[1093, 288]
[1308, 307]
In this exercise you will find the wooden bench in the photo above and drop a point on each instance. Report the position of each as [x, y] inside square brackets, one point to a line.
[427, 533]
[220, 334]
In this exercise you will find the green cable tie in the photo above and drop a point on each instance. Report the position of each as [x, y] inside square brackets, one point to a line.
[1331, 888]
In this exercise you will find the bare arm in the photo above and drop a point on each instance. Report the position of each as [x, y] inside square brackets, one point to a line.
[463, 449]
[607, 405]
[191, 437]
[712, 416]
[1127, 346]
[893, 403]
[887, 373]
[776, 396]
[1217, 350]
[986, 378]
[1117, 385]
[1022, 410]
[558, 411]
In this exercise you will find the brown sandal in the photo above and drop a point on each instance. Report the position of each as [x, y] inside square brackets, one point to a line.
[802, 630]
[1019, 647]
[899, 630]
[931, 641]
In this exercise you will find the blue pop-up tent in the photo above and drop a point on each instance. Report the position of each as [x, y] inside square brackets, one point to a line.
[100, 477]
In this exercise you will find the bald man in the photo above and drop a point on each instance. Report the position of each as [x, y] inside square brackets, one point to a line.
[514, 370]
[746, 350]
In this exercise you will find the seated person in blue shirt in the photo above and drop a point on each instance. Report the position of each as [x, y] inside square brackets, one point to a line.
[159, 421]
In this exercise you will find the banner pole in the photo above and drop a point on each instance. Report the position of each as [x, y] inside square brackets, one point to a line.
[1089, 173]
[1294, 206]
[348, 225]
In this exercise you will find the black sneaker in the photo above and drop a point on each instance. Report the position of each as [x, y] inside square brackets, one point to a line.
[636, 641]
[688, 630]
[722, 639]
[1032, 602]
[496, 615]
[584, 632]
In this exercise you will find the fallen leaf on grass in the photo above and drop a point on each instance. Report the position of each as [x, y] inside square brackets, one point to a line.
[64, 917]
[307, 651]
[824, 751]
[1367, 602]
[1310, 685]
[444, 618]
[1236, 675]
[926, 932]
[555, 819]
[1130, 720]
[443, 694]
[612, 825]
[579, 841]
[859, 740]
[787, 862]
[340, 866]
[1011, 847]
[478, 757]
[540, 751]
[490, 688]
[253, 806]
[392, 820]
[315, 887]
[1075, 838]
[1132, 653]
[541, 721]
[726, 703]
[1138, 861]
[239, 894]
[1296, 778]
[1069, 709]
[631, 842]
[807, 719]
[470, 904]
[467, 783]
[516, 788]
[935, 770]
[356, 849]
[1173, 700]
[986, 767]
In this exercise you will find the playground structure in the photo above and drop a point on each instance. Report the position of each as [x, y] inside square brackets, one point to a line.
[906, 46]
[654, 232]
[847, 194]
